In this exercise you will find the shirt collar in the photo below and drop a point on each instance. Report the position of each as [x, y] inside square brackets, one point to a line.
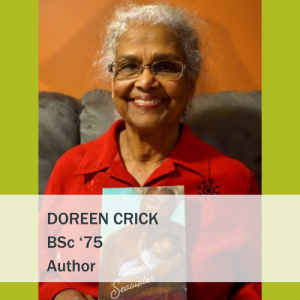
[189, 151]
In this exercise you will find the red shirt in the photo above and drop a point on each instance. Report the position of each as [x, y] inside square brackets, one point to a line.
[88, 168]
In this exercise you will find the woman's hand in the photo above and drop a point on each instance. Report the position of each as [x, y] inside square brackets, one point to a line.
[72, 295]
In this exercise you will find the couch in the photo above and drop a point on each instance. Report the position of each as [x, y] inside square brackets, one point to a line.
[229, 121]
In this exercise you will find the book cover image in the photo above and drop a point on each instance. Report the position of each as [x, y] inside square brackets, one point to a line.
[143, 256]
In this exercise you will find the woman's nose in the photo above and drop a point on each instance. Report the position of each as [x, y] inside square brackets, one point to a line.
[146, 80]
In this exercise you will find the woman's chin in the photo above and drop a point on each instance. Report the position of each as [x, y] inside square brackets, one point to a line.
[148, 123]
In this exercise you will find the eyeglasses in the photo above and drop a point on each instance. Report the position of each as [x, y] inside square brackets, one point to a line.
[165, 70]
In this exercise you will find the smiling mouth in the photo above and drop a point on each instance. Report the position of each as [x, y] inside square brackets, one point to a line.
[146, 102]
[150, 101]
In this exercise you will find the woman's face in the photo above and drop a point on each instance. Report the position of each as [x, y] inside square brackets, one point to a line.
[144, 102]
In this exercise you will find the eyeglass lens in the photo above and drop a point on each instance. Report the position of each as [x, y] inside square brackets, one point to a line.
[169, 70]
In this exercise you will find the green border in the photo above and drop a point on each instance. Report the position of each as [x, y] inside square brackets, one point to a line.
[281, 103]
[281, 290]
[19, 116]
[281, 106]
[19, 106]
[19, 290]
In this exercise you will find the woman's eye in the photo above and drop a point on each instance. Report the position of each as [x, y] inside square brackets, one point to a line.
[128, 67]
[165, 67]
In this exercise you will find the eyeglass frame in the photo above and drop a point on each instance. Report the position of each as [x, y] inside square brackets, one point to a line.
[150, 66]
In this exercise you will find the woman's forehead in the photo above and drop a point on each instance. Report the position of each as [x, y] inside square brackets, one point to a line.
[156, 42]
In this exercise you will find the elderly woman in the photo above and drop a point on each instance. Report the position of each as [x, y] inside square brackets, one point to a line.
[153, 56]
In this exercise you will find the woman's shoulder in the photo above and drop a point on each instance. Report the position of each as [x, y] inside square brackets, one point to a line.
[64, 171]
[198, 150]
[74, 156]
[102, 146]
[216, 165]
[234, 170]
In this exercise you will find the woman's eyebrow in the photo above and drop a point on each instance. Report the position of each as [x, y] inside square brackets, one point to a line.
[156, 57]
[162, 56]
[129, 57]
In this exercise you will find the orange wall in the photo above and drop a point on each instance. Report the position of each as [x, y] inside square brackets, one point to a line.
[69, 33]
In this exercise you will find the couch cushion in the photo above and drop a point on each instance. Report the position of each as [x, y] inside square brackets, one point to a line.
[97, 115]
[58, 130]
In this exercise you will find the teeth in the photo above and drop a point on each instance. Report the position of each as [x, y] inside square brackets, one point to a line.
[147, 101]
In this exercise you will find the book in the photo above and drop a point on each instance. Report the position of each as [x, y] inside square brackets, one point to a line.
[143, 253]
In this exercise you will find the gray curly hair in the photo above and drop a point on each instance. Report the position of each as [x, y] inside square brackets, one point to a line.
[181, 23]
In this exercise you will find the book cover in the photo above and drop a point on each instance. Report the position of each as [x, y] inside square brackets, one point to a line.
[143, 256]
